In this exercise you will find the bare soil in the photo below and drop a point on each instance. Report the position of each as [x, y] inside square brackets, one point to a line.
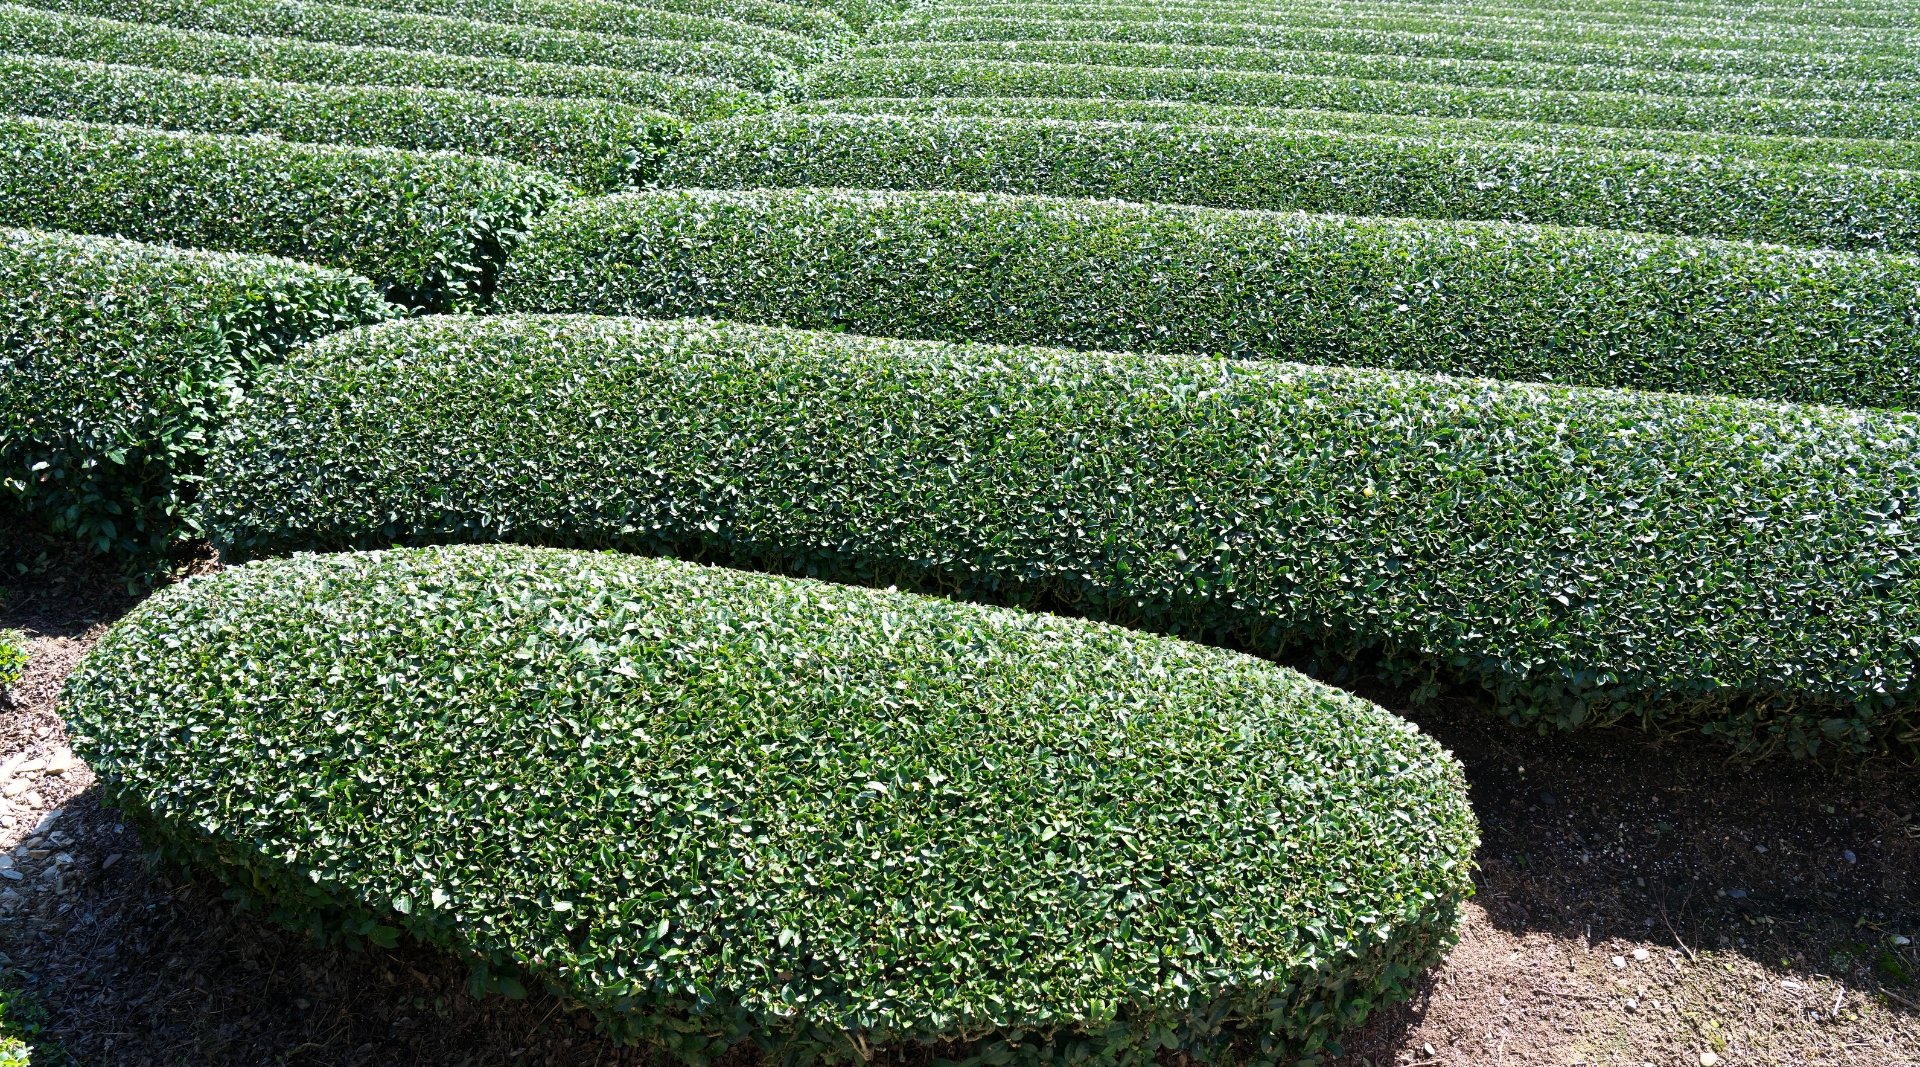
[1640, 903]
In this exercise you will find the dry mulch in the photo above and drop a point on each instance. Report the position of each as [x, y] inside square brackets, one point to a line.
[1759, 941]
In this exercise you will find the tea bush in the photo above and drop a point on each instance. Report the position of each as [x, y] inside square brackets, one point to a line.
[600, 145]
[713, 806]
[1247, 30]
[1738, 567]
[942, 75]
[1313, 170]
[1398, 68]
[804, 19]
[1784, 150]
[343, 24]
[119, 361]
[1752, 29]
[29, 31]
[430, 228]
[1595, 307]
[624, 20]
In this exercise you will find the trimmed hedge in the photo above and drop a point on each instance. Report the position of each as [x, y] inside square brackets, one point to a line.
[1421, 69]
[431, 228]
[1593, 307]
[29, 31]
[935, 24]
[1587, 555]
[1864, 13]
[714, 807]
[622, 20]
[1904, 155]
[1312, 170]
[341, 24]
[794, 18]
[1895, 120]
[119, 361]
[1747, 31]
[1729, 31]
[859, 14]
[600, 145]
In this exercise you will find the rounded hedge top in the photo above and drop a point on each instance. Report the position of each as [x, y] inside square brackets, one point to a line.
[710, 804]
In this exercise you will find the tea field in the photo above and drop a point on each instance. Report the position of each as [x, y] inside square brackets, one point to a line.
[965, 533]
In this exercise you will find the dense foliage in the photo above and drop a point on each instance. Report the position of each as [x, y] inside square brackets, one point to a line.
[1772, 27]
[624, 20]
[714, 806]
[31, 31]
[598, 144]
[1399, 68]
[344, 24]
[1313, 170]
[1587, 555]
[942, 75]
[806, 19]
[1785, 150]
[13, 664]
[430, 228]
[1250, 30]
[119, 361]
[1593, 307]
[860, 14]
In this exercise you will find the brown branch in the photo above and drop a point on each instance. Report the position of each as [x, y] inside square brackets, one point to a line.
[1897, 998]
[1661, 903]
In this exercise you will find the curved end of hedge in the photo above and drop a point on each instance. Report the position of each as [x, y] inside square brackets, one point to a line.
[121, 360]
[713, 806]
[432, 228]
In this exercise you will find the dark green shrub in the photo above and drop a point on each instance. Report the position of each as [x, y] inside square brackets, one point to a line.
[950, 76]
[859, 14]
[1746, 568]
[712, 806]
[624, 20]
[805, 19]
[342, 24]
[29, 31]
[1903, 155]
[1313, 170]
[430, 228]
[1537, 303]
[1250, 31]
[1723, 31]
[119, 361]
[600, 145]
[1881, 95]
